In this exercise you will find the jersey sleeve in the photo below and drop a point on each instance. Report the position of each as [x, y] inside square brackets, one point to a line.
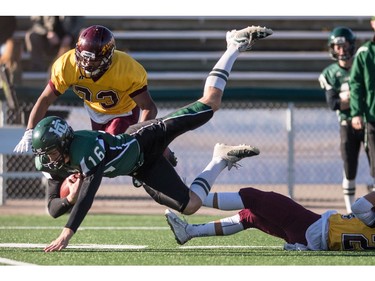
[64, 72]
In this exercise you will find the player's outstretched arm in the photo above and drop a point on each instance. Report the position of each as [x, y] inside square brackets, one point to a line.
[61, 242]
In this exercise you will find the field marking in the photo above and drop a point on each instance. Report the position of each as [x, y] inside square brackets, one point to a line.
[86, 227]
[231, 247]
[13, 262]
[77, 246]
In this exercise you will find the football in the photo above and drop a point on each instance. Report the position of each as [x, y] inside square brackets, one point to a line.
[64, 189]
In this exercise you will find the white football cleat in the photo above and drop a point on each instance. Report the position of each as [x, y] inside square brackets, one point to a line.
[245, 38]
[178, 227]
[234, 153]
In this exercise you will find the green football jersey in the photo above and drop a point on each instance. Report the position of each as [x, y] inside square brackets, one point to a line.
[120, 153]
[362, 82]
[336, 78]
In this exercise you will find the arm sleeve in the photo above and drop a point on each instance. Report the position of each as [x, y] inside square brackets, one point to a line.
[85, 199]
[333, 99]
[56, 206]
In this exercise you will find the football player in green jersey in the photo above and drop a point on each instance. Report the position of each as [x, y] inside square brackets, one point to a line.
[138, 152]
[334, 79]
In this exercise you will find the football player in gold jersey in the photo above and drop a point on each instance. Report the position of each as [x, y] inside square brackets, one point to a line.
[280, 216]
[112, 85]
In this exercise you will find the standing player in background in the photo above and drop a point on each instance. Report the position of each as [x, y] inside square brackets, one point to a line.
[362, 109]
[111, 83]
[334, 79]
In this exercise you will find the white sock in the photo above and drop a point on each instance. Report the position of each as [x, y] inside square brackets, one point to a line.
[219, 75]
[201, 186]
[228, 226]
[224, 201]
[231, 225]
[348, 187]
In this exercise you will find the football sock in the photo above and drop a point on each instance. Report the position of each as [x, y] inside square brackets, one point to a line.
[202, 184]
[219, 75]
[231, 225]
[226, 226]
[348, 188]
[224, 201]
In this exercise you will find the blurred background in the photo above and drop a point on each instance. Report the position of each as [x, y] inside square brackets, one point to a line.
[273, 100]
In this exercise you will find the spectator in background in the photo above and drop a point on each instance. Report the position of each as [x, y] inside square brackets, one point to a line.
[49, 37]
[334, 79]
[10, 51]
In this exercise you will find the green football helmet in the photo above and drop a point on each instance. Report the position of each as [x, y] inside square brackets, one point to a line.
[339, 36]
[52, 134]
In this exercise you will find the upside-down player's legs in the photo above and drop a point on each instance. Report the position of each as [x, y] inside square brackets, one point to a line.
[276, 215]
[164, 185]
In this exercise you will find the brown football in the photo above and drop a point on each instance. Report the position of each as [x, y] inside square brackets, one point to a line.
[64, 189]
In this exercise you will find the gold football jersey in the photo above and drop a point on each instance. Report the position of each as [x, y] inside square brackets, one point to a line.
[109, 94]
[347, 232]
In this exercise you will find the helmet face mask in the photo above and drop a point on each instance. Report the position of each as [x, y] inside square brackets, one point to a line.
[53, 159]
[341, 36]
[51, 141]
[94, 51]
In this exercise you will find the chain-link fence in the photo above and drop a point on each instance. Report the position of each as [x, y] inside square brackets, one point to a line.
[299, 145]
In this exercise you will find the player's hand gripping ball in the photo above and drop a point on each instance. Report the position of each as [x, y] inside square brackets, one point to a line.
[64, 189]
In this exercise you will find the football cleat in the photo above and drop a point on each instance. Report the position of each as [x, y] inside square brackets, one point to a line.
[234, 153]
[178, 227]
[245, 38]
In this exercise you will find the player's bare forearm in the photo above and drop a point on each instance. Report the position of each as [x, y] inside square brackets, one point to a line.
[61, 242]
[148, 114]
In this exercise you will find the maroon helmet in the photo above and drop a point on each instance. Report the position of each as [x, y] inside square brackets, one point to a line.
[94, 50]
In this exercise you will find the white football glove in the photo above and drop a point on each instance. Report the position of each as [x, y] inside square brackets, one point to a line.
[345, 95]
[25, 143]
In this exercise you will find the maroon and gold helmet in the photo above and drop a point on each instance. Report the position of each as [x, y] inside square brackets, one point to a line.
[94, 51]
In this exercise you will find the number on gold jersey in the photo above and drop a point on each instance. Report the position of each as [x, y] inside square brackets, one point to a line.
[107, 99]
[357, 241]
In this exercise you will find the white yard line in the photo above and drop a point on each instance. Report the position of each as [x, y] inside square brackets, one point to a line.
[86, 227]
[231, 247]
[76, 246]
[13, 262]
